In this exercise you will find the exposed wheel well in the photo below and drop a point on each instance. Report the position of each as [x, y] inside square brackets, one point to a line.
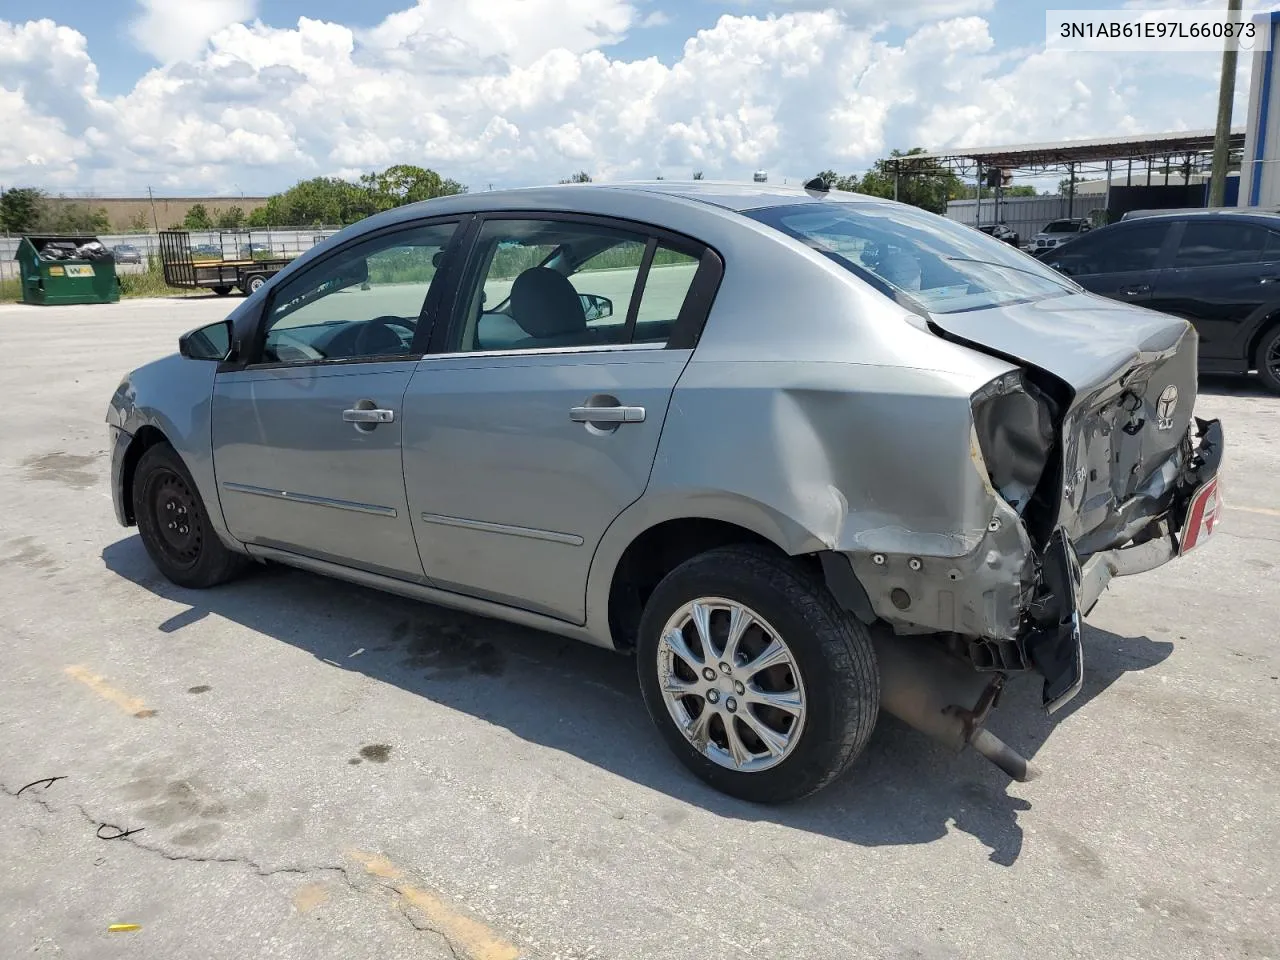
[1264, 328]
[146, 438]
[654, 554]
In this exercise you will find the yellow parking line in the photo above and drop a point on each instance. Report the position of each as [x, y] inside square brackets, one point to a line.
[467, 935]
[98, 685]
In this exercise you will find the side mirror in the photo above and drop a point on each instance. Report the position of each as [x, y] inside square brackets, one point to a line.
[207, 343]
[596, 307]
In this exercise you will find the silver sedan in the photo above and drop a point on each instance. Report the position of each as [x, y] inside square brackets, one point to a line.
[806, 455]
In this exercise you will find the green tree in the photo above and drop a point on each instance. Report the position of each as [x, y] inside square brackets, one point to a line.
[921, 183]
[849, 184]
[197, 218]
[62, 216]
[697, 174]
[21, 209]
[404, 183]
[580, 177]
[139, 223]
[231, 218]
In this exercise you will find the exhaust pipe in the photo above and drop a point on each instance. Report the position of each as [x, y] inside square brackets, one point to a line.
[940, 696]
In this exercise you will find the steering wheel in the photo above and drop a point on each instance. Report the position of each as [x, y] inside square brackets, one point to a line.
[378, 336]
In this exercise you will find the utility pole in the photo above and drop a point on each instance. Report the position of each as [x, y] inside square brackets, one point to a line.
[154, 218]
[1226, 93]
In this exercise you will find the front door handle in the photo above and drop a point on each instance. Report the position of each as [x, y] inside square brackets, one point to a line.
[607, 414]
[1136, 290]
[1269, 279]
[368, 415]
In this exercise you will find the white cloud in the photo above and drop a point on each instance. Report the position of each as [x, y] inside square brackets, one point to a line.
[655, 19]
[172, 30]
[524, 91]
[907, 12]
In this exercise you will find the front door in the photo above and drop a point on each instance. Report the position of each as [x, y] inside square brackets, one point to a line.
[1223, 272]
[1120, 262]
[307, 436]
[538, 422]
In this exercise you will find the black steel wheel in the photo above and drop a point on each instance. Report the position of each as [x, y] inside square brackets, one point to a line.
[222, 291]
[174, 524]
[1268, 360]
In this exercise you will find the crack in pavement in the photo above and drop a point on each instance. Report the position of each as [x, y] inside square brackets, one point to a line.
[257, 868]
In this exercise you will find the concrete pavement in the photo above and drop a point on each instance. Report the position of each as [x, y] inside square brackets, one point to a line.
[318, 770]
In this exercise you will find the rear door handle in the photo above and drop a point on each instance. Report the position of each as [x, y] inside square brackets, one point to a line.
[607, 414]
[373, 415]
[1136, 290]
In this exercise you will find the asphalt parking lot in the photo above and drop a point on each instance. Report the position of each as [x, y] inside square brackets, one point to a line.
[316, 770]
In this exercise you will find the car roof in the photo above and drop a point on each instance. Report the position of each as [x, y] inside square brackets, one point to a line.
[726, 194]
[1261, 216]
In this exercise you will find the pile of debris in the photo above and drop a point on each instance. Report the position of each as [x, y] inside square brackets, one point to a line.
[74, 250]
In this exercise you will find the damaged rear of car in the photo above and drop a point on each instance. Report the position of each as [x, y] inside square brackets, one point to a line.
[1089, 460]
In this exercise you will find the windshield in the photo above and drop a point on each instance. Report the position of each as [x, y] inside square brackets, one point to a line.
[1062, 226]
[942, 265]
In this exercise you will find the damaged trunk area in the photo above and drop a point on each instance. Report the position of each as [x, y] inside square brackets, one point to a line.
[1092, 462]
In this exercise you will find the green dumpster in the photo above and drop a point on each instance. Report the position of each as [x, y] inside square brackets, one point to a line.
[57, 270]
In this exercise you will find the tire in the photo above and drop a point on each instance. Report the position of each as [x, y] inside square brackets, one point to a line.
[190, 554]
[832, 666]
[1267, 361]
[222, 291]
[254, 283]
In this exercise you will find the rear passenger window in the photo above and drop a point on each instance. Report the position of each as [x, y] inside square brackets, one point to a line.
[670, 277]
[1219, 244]
[555, 284]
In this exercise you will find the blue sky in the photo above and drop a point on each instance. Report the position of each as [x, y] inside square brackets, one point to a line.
[228, 95]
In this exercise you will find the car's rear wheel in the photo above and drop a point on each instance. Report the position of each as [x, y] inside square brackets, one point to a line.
[174, 524]
[222, 291]
[758, 681]
[1268, 360]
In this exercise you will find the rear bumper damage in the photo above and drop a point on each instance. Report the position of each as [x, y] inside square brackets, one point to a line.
[1007, 607]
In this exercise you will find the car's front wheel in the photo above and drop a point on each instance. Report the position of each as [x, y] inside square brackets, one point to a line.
[1268, 360]
[761, 684]
[174, 524]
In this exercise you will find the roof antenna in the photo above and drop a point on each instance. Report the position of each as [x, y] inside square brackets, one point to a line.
[818, 185]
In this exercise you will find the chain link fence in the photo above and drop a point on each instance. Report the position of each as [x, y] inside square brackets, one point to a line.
[265, 241]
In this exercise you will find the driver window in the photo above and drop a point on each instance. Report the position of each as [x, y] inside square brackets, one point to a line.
[363, 302]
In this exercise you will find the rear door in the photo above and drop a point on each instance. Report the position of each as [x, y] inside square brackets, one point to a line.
[1224, 270]
[535, 421]
[1121, 261]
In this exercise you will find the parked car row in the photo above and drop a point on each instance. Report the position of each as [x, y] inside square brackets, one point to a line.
[1218, 269]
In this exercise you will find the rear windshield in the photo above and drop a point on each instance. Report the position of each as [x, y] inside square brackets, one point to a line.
[942, 265]
[1062, 226]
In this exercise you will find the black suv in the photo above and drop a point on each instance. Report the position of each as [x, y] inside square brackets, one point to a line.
[1218, 269]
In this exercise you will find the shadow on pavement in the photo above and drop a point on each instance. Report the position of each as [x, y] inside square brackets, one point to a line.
[1233, 385]
[585, 701]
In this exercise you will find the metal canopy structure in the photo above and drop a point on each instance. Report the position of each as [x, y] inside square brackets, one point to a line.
[1187, 151]
[1046, 157]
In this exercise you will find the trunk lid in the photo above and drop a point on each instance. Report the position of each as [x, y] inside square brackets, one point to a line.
[1131, 373]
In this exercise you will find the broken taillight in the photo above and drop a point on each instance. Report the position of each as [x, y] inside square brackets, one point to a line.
[1014, 425]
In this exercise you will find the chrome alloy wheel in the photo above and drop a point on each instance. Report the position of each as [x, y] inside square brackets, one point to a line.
[731, 684]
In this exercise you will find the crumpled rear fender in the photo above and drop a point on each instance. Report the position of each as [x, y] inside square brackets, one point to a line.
[875, 464]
